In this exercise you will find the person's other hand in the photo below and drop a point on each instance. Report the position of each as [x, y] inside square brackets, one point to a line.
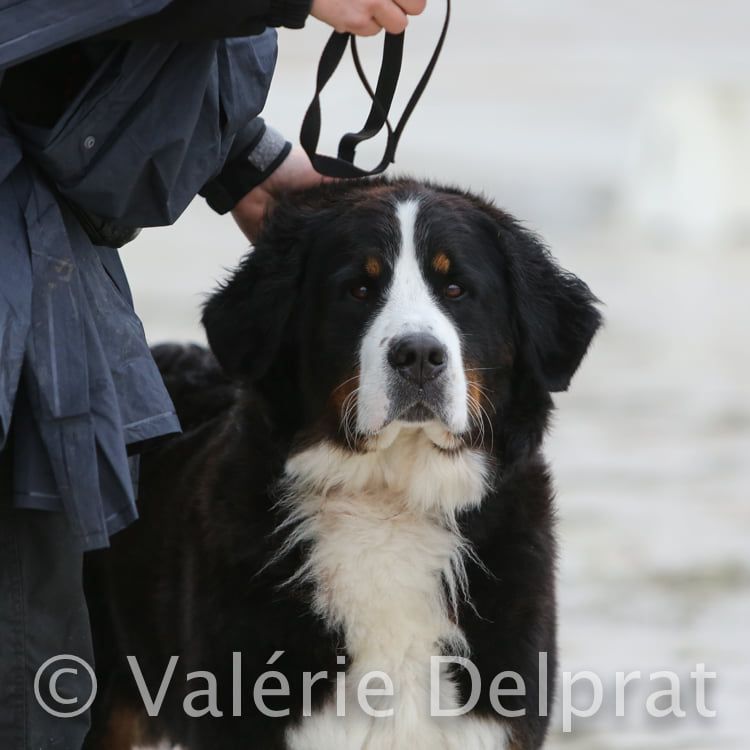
[294, 173]
[367, 17]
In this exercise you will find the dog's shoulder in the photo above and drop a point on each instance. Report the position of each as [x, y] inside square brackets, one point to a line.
[198, 387]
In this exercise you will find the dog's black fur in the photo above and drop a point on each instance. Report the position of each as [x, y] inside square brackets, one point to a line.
[190, 578]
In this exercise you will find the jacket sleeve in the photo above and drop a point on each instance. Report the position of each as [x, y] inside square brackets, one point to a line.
[259, 149]
[257, 152]
[186, 20]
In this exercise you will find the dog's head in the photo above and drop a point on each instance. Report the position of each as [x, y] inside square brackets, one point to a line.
[372, 307]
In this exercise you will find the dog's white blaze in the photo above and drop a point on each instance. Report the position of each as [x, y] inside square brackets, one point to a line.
[384, 550]
[410, 307]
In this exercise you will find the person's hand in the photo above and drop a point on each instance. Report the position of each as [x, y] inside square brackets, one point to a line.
[367, 17]
[295, 173]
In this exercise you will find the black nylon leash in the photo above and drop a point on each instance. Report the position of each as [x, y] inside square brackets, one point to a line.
[342, 166]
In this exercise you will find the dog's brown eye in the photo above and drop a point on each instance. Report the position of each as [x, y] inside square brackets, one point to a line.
[360, 291]
[454, 291]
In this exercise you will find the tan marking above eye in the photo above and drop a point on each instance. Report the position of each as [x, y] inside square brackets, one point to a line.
[373, 268]
[441, 263]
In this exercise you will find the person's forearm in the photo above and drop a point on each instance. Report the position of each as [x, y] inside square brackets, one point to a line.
[184, 20]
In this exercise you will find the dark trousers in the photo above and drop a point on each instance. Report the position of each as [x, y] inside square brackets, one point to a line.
[43, 614]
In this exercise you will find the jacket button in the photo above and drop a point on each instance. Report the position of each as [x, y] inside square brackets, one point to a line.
[89, 142]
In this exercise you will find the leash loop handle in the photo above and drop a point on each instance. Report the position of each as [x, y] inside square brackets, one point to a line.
[342, 166]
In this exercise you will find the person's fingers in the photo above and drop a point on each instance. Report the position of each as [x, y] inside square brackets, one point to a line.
[390, 17]
[412, 7]
[367, 17]
[365, 27]
[251, 210]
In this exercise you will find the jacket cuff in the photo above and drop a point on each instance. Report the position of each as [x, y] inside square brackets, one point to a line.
[289, 13]
[255, 163]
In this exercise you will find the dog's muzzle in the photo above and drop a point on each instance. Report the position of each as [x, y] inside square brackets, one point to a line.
[419, 362]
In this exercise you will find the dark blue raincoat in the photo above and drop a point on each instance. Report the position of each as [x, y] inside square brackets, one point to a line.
[156, 122]
[29, 28]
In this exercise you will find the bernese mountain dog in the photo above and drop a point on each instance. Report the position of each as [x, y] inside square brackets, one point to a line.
[351, 546]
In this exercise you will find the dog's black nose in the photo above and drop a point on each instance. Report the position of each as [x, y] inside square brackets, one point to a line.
[418, 357]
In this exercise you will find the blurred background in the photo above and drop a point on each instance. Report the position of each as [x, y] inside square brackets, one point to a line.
[620, 131]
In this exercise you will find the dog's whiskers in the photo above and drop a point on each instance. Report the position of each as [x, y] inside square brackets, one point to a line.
[479, 413]
[348, 415]
[476, 416]
[486, 394]
[347, 381]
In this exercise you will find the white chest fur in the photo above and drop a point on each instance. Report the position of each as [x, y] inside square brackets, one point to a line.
[386, 563]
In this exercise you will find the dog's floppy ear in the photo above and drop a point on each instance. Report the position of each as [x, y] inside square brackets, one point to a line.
[245, 320]
[556, 312]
